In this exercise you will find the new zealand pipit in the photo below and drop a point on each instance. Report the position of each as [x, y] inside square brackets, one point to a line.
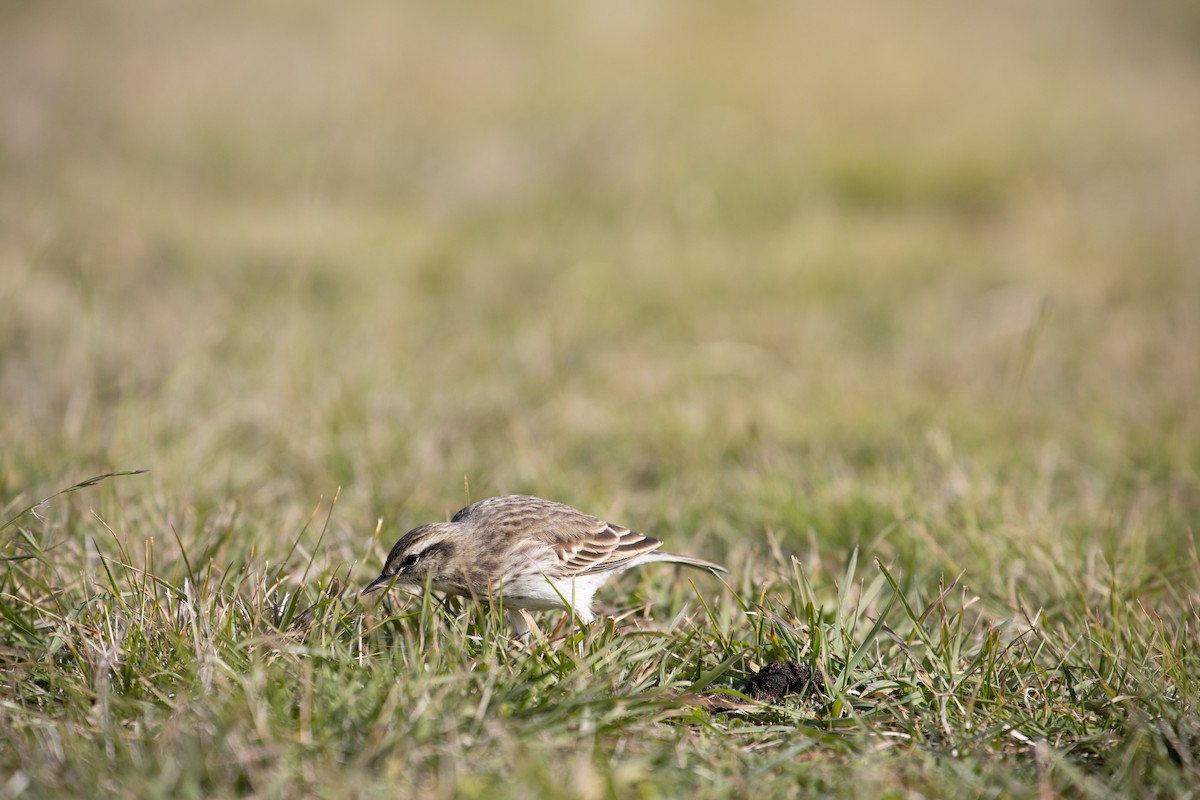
[525, 552]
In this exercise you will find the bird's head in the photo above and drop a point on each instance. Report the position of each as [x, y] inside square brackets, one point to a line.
[423, 554]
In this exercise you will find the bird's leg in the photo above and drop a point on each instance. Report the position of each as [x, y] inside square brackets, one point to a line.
[562, 627]
[522, 624]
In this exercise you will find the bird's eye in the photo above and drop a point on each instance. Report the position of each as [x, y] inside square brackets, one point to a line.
[410, 559]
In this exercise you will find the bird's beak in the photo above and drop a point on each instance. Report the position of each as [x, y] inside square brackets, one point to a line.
[382, 580]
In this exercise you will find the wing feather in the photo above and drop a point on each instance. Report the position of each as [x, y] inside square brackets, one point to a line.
[604, 549]
[573, 543]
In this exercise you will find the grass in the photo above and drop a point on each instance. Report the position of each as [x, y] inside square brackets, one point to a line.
[890, 311]
[199, 679]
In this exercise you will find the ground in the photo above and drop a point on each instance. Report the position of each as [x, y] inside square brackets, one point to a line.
[893, 310]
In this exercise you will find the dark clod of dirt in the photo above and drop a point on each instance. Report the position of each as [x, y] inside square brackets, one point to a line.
[780, 678]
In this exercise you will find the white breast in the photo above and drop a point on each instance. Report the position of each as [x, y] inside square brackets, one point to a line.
[536, 592]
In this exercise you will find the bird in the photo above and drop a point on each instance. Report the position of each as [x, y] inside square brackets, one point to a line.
[525, 553]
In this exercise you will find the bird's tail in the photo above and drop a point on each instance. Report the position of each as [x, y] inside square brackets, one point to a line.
[687, 561]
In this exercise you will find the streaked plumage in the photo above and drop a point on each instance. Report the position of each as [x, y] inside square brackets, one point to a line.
[527, 552]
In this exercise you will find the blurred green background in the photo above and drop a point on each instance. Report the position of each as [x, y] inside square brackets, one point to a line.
[761, 279]
[708, 268]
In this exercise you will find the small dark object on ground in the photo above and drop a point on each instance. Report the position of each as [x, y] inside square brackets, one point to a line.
[782, 677]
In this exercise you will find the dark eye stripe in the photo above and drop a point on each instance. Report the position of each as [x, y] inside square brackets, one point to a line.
[444, 549]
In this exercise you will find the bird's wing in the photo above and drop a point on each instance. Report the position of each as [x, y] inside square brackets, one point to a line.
[595, 546]
[564, 541]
